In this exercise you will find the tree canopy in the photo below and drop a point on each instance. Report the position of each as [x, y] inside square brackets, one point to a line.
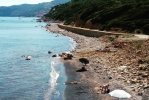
[127, 15]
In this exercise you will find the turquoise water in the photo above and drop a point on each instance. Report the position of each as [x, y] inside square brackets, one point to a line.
[41, 78]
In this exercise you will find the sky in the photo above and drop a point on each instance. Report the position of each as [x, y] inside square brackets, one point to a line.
[17, 2]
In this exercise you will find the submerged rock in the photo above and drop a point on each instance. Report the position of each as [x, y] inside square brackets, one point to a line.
[120, 94]
[23, 56]
[49, 52]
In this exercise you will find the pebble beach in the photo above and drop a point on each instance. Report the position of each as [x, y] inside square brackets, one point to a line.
[111, 63]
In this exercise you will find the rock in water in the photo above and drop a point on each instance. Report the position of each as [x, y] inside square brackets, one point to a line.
[120, 94]
[54, 55]
[49, 52]
[28, 58]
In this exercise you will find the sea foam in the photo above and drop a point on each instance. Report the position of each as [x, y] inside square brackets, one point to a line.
[54, 75]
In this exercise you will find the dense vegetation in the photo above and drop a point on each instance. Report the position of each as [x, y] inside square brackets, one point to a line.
[29, 10]
[122, 15]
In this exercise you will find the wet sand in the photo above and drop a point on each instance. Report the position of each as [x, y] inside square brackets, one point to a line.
[79, 90]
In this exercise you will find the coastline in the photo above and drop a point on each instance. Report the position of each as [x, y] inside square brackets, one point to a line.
[89, 82]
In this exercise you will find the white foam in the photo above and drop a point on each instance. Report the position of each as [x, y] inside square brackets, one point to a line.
[54, 75]
[73, 44]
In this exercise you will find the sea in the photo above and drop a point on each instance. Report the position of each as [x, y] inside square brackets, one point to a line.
[42, 77]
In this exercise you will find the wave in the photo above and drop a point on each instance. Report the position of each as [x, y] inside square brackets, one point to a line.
[54, 75]
[73, 44]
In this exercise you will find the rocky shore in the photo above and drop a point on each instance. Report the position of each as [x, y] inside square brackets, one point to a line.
[113, 61]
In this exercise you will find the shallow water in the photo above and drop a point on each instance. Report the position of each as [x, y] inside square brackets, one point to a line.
[41, 78]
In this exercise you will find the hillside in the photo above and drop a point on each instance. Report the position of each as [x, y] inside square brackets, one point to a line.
[29, 9]
[116, 15]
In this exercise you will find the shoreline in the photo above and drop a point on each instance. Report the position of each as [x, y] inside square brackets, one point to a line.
[88, 83]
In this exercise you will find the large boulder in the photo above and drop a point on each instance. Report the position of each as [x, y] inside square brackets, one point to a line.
[120, 94]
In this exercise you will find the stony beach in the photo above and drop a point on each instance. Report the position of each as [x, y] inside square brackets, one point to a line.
[113, 61]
